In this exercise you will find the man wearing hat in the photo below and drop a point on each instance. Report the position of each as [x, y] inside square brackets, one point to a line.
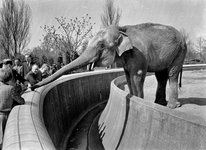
[8, 96]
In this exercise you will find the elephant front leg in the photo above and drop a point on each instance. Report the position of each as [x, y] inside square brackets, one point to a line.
[162, 78]
[137, 82]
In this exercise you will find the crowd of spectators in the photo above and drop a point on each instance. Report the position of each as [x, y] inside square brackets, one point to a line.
[28, 72]
[15, 77]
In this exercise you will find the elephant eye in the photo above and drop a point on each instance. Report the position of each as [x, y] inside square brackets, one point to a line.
[101, 45]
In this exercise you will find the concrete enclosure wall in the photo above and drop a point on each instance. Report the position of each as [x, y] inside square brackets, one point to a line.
[52, 111]
[68, 101]
[129, 122]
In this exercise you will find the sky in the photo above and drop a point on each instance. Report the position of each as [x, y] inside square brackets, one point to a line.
[181, 14]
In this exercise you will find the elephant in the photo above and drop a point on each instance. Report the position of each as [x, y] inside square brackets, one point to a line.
[141, 48]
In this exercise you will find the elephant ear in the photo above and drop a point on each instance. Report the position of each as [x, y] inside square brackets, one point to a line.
[124, 44]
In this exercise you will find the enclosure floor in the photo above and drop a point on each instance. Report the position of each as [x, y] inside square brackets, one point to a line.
[85, 135]
[192, 94]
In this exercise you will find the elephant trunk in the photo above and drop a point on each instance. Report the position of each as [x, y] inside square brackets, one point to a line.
[79, 62]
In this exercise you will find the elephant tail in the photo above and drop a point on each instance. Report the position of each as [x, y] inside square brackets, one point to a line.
[184, 48]
[180, 81]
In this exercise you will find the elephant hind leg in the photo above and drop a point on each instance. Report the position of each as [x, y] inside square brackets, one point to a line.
[174, 71]
[173, 87]
[162, 78]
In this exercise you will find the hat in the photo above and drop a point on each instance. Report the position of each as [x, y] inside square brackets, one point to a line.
[7, 61]
[1, 64]
[5, 75]
[29, 54]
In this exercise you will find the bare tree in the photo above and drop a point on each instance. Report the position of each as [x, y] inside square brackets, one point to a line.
[111, 15]
[15, 26]
[69, 35]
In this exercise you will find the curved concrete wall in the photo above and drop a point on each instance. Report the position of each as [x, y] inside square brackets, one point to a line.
[51, 112]
[129, 122]
[66, 103]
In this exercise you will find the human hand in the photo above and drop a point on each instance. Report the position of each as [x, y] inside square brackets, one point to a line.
[34, 87]
[26, 83]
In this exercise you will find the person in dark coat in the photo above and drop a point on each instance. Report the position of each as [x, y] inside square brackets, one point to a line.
[32, 76]
[26, 66]
[8, 96]
[17, 81]
[18, 66]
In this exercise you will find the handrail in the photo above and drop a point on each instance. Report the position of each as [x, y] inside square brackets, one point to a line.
[194, 67]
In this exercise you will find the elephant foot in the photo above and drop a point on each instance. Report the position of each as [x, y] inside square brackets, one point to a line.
[173, 105]
[163, 102]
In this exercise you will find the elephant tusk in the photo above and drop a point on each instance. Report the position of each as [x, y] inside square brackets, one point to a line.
[92, 66]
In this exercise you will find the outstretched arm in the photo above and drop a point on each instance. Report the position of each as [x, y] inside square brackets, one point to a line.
[17, 97]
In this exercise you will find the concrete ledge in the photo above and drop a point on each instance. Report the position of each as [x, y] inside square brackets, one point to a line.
[52, 111]
[25, 128]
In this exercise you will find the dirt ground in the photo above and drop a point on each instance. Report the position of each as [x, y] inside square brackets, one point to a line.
[192, 94]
